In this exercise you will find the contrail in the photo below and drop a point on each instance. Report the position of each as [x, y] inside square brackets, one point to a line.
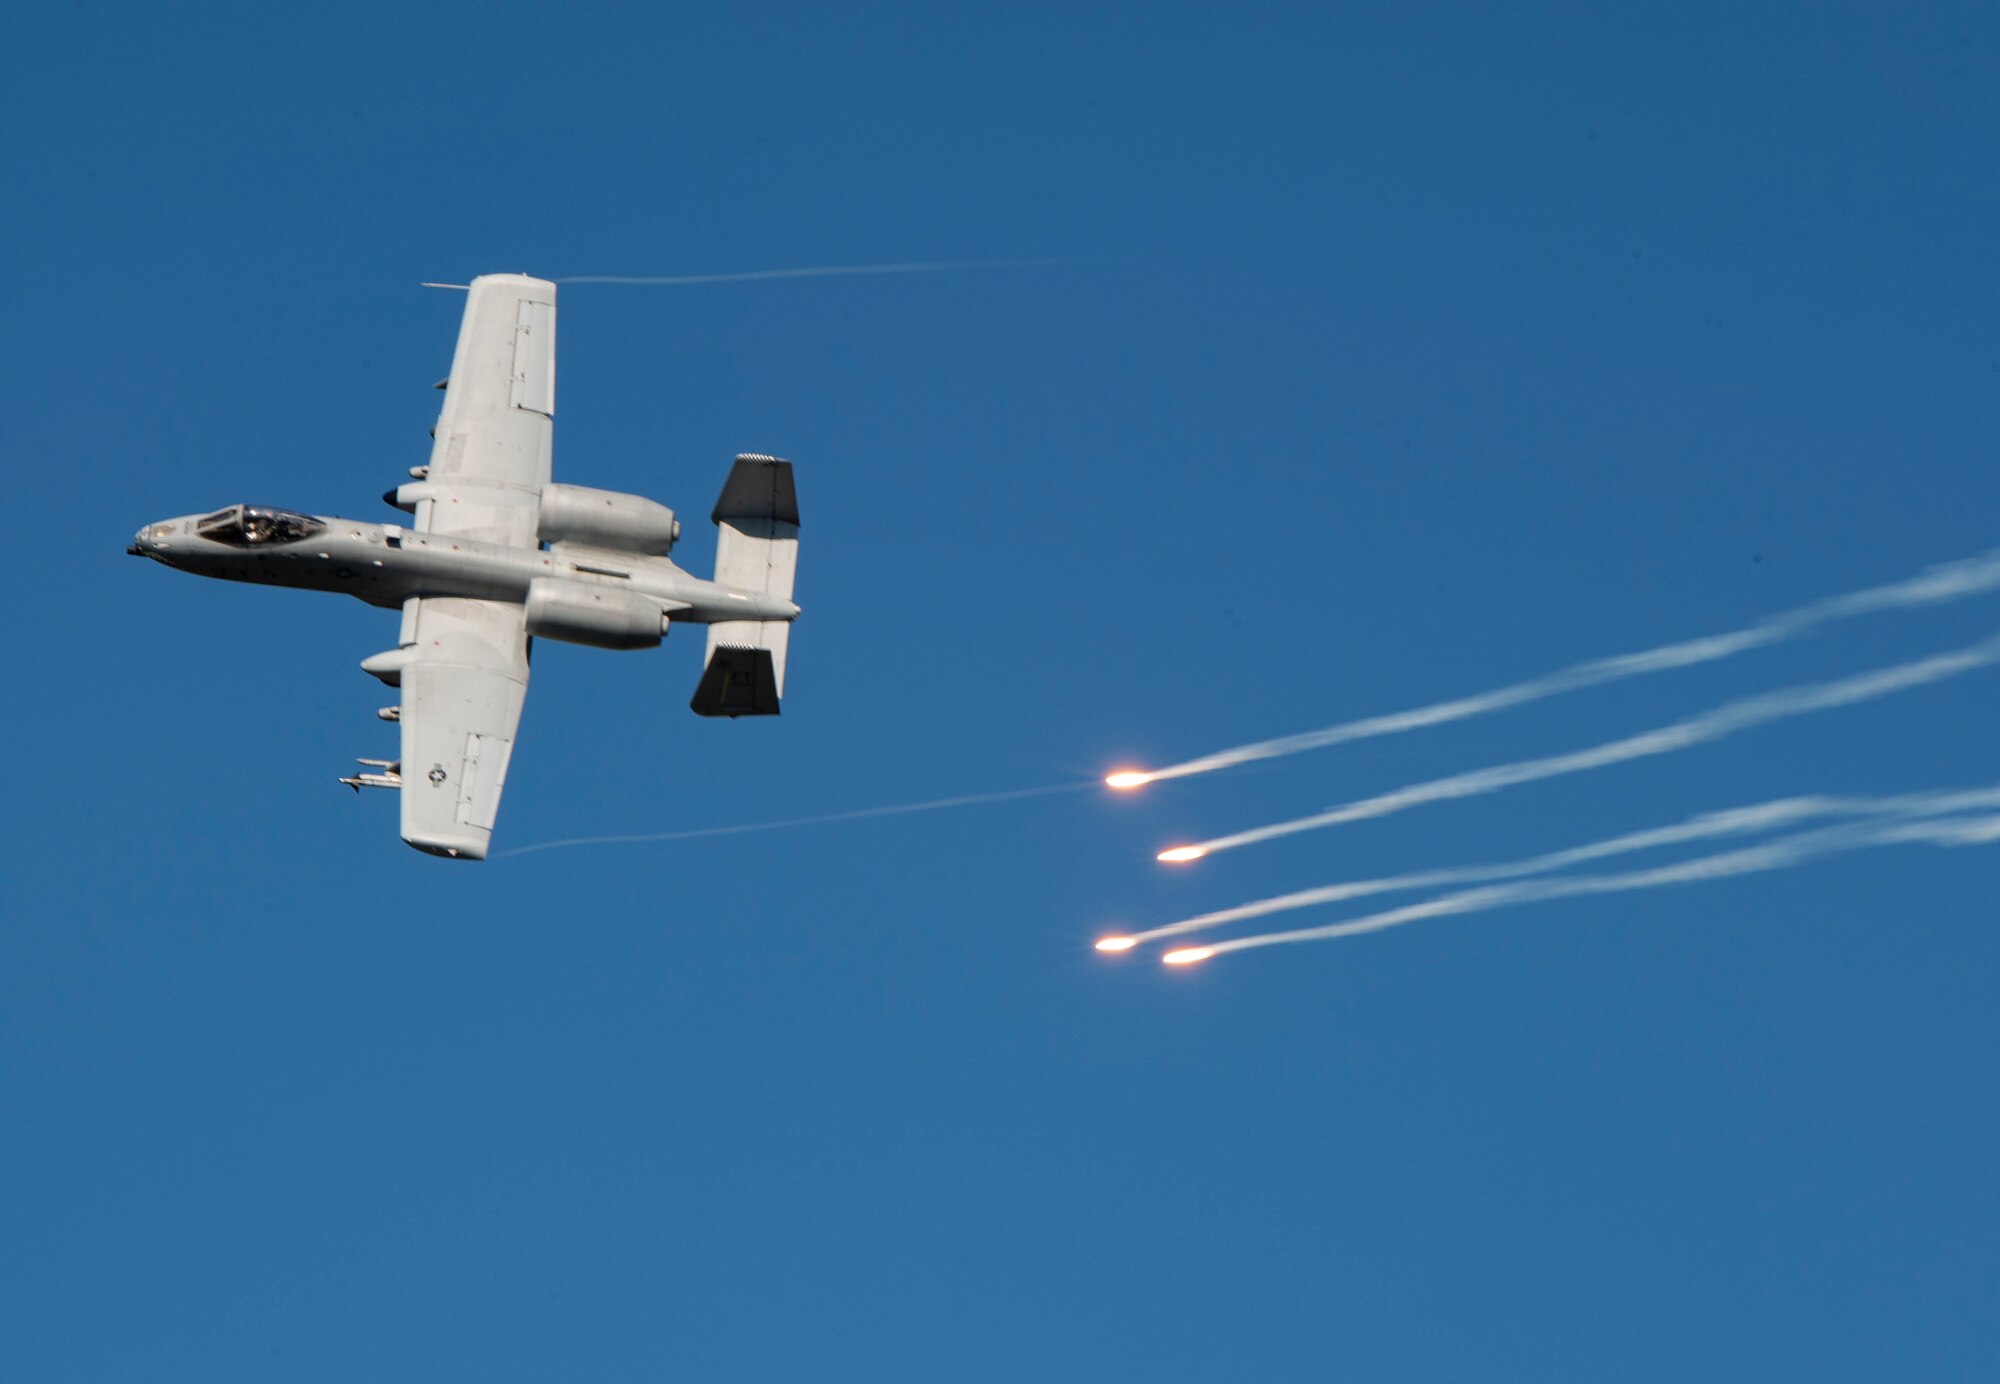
[1707, 826]
[1717, 724]
[821, 271]
[1949, 582]
[1775, 855]
[932, 805]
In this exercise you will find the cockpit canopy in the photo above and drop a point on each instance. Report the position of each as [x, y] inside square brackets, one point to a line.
[255, 526]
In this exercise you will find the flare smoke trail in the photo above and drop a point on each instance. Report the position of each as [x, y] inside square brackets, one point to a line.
[858, 814]
[1775, 855]
[822, 271]
[1717, 724]
[1707, 826]
[1948, 582]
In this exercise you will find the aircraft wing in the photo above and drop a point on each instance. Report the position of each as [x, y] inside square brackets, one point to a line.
[490, 456]
[463, 683]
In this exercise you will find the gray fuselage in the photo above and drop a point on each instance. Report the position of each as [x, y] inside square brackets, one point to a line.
[386, 564]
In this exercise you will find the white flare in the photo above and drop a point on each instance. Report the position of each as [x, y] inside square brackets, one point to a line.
[858, 814]
[1736, 821]
[1709, 726]
[1775, 855]
[1948, 582]
[821, 271]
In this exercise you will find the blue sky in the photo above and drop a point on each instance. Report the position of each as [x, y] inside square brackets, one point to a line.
[1396, 352]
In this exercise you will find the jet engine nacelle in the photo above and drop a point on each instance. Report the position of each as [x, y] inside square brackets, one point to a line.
[601, 616]
[607, 519]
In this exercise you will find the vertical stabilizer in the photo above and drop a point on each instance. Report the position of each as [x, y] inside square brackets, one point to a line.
[757, 549]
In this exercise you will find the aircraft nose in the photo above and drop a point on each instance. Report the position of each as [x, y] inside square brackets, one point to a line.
[148, 541]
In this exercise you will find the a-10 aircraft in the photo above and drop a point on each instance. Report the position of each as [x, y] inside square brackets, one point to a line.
[495, 555]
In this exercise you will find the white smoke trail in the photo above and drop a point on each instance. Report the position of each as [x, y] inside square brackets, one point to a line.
[1709, 726]
[1707, 826]
[1949, 582]
[1775, 855]
[857, 814]
[822, 271]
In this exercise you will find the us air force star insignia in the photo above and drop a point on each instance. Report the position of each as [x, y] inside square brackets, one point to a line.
[437, 774]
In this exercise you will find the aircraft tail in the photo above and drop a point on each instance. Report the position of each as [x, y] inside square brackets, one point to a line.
[757, 549]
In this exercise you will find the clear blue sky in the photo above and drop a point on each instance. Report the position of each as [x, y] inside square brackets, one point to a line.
[1400, 350]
